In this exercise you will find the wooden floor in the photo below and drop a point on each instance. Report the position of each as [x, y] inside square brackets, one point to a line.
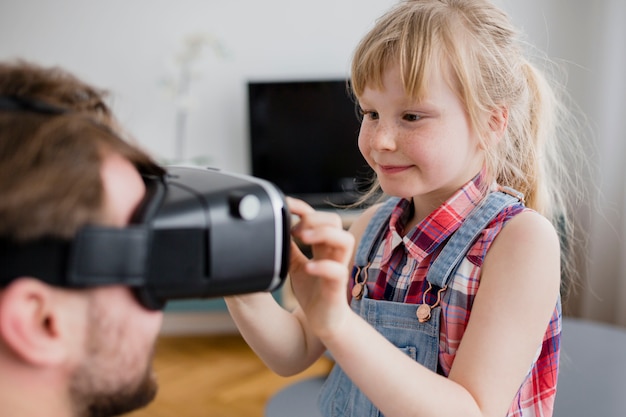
[214, 376]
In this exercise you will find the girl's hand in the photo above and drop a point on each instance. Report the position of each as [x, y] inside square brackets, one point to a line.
[320, 284]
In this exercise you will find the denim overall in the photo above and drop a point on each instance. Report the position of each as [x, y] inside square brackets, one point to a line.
[397, 322]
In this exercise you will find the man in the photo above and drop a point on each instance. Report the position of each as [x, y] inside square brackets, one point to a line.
[67, 352]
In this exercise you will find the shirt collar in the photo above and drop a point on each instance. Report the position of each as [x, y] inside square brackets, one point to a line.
[438, 225]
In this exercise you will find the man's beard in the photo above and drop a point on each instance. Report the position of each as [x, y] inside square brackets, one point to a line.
[90, 400]
[110, 381]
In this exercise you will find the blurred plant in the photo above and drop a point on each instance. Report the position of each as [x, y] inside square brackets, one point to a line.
[178, 87]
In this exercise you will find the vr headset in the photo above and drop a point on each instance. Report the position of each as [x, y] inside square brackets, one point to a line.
[198, 233]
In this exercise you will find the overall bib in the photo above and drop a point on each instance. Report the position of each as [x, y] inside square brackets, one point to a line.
[398, 322]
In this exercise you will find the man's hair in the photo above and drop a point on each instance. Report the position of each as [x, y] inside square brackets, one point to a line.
[55, 86]
[50, 160]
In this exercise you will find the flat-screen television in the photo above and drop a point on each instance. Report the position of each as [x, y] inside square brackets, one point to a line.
[303, 138]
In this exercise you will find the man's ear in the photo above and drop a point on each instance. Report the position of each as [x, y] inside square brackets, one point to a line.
[29, 322]
[498, 122]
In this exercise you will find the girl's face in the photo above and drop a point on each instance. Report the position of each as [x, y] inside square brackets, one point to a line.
[424, 150]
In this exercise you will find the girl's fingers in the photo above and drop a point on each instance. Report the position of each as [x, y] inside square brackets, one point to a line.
[323, 231]
[331, 241]
[326, 235]
[298, 207]
[327, 269]
[309, 217]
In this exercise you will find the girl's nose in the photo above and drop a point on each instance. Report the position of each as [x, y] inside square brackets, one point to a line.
[383, 138]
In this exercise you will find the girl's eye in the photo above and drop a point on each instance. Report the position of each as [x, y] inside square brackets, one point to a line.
[366, 114]
[411, 117]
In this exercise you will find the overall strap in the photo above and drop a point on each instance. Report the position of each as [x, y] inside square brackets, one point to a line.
[374, 231]
[443, 268]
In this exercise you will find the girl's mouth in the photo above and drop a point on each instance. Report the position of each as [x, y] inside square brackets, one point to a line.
[393, 169]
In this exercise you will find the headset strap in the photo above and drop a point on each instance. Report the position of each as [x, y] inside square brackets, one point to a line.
[96, 256]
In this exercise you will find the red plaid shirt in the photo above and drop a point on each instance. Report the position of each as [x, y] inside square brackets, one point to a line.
[398, 273]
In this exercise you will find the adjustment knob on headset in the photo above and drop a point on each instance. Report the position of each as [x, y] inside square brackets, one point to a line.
[246, 206]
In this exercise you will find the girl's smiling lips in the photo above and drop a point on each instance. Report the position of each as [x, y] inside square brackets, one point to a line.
[393, 169]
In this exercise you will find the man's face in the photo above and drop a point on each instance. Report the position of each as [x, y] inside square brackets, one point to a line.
[115, 374]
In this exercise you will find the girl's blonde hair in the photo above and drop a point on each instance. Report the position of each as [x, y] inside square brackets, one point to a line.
[490, 72]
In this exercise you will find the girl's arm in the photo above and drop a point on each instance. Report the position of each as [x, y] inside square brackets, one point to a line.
[279, 337]
[517, 296]
[283, 339]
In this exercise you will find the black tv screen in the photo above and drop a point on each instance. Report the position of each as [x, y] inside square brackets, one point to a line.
[303, 138]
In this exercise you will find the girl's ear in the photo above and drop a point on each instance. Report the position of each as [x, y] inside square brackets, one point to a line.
[29, 323]
[498, 122]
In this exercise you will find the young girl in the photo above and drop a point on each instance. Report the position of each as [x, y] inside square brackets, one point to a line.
[454, 301]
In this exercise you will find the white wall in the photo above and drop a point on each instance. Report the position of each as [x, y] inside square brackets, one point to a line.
[129, 47]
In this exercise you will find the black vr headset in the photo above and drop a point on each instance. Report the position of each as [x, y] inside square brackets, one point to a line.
[198, 233]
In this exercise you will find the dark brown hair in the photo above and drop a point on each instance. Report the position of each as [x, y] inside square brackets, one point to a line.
[50, 163]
